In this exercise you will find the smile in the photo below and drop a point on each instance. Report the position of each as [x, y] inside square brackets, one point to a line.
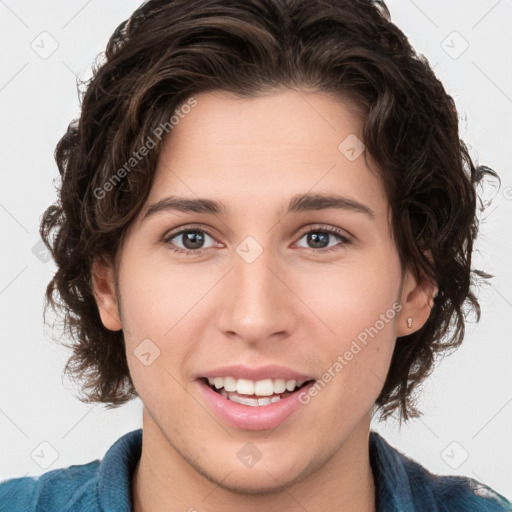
[254, 393]
[252, 411]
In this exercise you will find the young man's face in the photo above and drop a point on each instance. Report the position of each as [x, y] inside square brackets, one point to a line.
[263, 296]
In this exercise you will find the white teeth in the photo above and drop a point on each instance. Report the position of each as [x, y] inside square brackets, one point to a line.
[265, 387]
[290, 385]
[230, 384]
[245, 387]
[279, 386]
[244, 401]
[253, 402]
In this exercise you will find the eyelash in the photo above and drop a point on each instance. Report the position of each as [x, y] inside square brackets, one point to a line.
[346, 240]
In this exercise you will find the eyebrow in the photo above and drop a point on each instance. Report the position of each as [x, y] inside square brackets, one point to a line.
[298, 203]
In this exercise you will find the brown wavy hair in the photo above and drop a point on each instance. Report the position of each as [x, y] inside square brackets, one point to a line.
[169, 50]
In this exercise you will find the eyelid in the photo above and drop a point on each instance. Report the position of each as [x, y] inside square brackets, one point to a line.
[328, 228]
[183, 229]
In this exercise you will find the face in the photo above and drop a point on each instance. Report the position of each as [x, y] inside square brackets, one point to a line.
[257, 290]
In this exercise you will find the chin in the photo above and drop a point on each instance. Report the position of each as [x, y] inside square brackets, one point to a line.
[261, 483]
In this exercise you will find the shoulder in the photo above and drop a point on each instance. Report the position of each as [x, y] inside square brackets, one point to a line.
[402, 481]
[453, 493]
[57, 490]
[98, 485]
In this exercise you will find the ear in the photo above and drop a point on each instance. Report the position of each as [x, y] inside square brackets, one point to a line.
[103, 284]
[417, 300]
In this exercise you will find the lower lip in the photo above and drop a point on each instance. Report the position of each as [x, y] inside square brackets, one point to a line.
[252, 418]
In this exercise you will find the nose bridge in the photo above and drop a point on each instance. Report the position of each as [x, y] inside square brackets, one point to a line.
[258, 305]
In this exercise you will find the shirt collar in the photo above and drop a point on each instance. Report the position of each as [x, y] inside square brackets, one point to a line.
[116, 471]
[393, 473]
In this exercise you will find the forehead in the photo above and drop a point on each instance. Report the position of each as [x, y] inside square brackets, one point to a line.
[260, 150]
[283, 122]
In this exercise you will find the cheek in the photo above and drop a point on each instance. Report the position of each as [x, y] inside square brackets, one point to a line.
[358, 310]
[352, 299]
[165, 313]
[355, 366]
[156, 297]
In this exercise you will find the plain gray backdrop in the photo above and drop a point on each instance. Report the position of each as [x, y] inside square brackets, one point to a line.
[467, 403]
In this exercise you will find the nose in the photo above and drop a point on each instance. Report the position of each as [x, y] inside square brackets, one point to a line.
[257, 305]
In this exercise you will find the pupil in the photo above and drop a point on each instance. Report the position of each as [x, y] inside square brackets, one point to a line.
[319, 240]
[192, 237]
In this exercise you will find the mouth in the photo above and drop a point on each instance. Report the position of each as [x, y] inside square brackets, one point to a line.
[254, 398]
[254, 409]
[259, 393]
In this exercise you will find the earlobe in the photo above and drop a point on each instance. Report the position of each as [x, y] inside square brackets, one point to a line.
[417, 301]
[103, 284]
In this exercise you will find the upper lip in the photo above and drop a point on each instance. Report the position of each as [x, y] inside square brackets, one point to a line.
[271, 371]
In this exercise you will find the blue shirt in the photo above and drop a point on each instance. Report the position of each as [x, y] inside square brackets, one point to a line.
[105, 486]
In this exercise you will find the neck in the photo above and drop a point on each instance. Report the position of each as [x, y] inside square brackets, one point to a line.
[164, 480]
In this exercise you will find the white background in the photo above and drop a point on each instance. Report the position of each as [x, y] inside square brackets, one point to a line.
[467, 403]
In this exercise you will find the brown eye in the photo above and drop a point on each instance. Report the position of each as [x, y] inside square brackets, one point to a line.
[192, 241]
[319, 239]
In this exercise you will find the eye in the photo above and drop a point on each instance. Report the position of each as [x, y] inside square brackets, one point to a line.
[191, 239]
[318, 238]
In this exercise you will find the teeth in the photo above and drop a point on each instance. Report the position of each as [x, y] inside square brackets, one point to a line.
[253, 402]
[244, 401]
[230, 384]
[279, 386]
[290, 385]
[244, 387]
[265, 388]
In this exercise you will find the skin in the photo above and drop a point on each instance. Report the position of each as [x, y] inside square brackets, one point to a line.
[295, 305]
